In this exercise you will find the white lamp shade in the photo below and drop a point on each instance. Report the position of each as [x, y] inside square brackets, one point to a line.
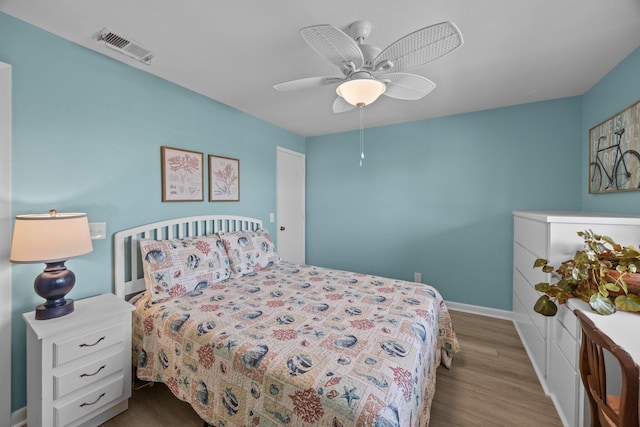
[50, 237]
[361, 91]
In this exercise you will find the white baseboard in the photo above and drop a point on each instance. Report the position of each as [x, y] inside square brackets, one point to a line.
[19, 417]
[482, 311]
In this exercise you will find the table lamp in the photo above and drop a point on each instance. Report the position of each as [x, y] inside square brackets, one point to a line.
[51, 238]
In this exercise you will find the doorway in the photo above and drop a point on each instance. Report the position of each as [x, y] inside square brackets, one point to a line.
[5, 241]
[291, 205]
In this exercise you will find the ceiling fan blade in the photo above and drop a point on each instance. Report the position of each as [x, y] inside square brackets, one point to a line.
[306, 83]
[420, 47]
[334, 44]
[342, 106]
[406, 86]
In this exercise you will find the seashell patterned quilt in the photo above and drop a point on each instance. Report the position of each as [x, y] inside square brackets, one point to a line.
[298, 345]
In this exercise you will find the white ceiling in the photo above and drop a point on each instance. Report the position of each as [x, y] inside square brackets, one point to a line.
[514, 51]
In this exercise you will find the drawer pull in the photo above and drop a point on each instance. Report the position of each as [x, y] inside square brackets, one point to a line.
[94, 402]
[95, 343]
[95, 373]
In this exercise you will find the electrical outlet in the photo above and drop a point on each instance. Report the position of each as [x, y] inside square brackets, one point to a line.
[98, 230]
[417, 277]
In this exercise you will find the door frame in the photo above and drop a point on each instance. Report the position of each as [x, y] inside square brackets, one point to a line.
[5, 241]
[302, 156]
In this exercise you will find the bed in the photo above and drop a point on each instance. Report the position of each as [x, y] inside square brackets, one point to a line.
[249, 339]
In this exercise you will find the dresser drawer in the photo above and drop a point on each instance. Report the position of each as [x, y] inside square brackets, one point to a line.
[523, 260]
[569, 321]
[535, 344]
[565, 342]
[82, 345]
[81, 376]
[564, 383]
[527, 297]
[532, 235]
[67, 412]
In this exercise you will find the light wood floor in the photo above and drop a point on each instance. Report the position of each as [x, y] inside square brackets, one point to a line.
[492, 383]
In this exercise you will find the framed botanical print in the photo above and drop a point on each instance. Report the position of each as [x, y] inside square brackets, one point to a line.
[182, 175]
[224, 179]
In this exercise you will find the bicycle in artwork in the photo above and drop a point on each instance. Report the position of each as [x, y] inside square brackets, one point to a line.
[623, 172]
[614, 151]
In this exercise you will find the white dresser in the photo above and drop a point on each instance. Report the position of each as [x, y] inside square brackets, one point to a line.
[553, 343]
[79, 365]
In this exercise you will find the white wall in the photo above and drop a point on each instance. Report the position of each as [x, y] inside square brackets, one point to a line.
[5, 236]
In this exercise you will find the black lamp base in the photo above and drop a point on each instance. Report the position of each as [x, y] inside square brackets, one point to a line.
[43, 312]
[53, 284]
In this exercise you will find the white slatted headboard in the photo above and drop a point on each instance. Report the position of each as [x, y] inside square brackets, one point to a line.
[128, 275]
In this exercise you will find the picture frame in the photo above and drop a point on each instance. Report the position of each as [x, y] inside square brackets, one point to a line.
[224, 179]
[182, 175]
[614, 153]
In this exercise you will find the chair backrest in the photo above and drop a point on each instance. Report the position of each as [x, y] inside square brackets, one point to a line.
[594, 378]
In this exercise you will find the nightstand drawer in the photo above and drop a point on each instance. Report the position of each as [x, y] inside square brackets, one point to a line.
[91, 401]
[88, 343]
[64, 383]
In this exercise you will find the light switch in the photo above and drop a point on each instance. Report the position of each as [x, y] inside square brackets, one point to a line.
[98, 230]
[272, 217]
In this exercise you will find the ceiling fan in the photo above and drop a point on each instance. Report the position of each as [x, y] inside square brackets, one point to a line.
[368, 71]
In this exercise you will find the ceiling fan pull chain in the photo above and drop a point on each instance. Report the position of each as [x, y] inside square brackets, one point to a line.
[361, 134]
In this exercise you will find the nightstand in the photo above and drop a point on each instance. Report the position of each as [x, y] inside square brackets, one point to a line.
[79, 365]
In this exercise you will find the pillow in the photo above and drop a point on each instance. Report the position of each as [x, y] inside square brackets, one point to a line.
[176, 267]
[249, 250]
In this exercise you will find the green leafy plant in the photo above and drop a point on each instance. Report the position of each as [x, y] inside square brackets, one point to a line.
[599, 275]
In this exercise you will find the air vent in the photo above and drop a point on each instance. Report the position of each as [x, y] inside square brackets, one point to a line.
[125, 46]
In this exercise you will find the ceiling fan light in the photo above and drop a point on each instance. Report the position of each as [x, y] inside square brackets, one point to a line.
[361, 91]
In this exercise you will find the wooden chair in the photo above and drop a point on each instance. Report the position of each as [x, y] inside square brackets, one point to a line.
[607, 410]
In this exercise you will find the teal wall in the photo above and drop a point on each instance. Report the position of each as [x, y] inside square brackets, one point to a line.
[87, 132]
[616, 91]
[437, 196]
[434, 196]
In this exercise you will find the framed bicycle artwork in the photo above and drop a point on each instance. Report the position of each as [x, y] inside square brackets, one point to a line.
[614, 153]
